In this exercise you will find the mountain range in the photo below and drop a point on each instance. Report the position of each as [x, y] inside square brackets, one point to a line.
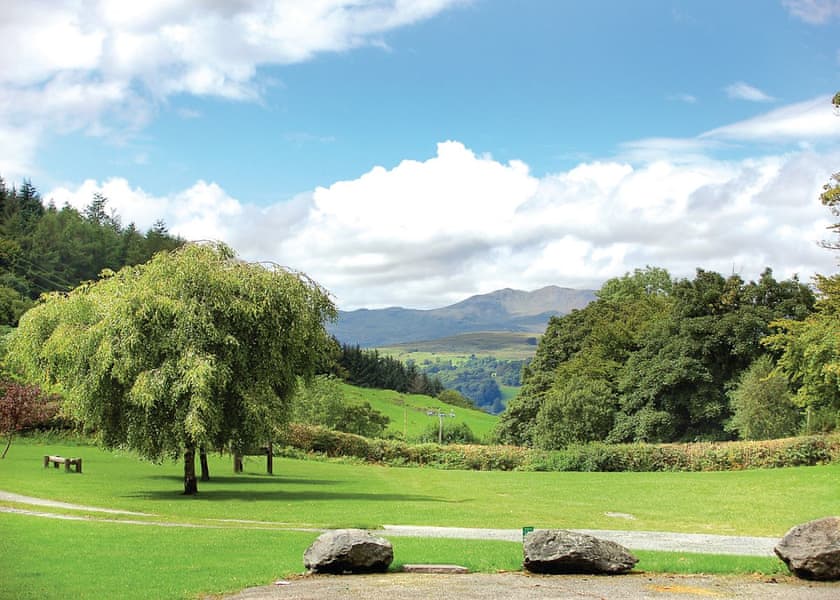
[502, 310]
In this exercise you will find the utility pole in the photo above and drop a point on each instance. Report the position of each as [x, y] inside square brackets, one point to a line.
[440, 415]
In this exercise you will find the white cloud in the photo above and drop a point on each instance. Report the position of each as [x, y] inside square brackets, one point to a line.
[803, 121]
[745, 91]
[429, 232]
[815, 12]
[104, 67]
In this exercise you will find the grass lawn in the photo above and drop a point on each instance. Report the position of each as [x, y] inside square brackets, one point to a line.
[760, 502]
[408, 412]
[42, 559]
[116, 559]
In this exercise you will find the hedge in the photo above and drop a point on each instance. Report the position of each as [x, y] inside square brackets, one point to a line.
[702, 456]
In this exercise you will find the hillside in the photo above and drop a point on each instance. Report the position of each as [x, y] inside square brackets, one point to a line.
[409, 412]
[502, 310]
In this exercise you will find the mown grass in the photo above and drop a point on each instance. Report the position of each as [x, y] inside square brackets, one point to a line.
[43, 559]
[48, 558]
[408, 412]
[332, 494]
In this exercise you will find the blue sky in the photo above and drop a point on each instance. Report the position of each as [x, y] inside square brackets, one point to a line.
[414, 152]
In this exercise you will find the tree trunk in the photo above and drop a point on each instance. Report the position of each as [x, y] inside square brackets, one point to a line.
[190, 482]
[9, 443]
[269, 458]
[205, 469]
[237, 463]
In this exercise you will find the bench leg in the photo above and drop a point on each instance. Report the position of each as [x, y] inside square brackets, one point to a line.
[79, 466]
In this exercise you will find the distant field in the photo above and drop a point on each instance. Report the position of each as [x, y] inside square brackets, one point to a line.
[408, 412]
[499, 344]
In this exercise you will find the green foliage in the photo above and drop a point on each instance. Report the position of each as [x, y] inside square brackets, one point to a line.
[45, 249]
[449, 433]
[761, 404]
[367, 368]
[594, 456]
[454, 398]
[577, 410]
[663, 355]
[192, 349]
[321, 401]
[810, 355]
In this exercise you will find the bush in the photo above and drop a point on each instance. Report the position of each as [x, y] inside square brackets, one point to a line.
[596, 456]
[451, 433]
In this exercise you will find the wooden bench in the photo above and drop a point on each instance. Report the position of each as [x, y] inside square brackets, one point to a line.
[60, 460]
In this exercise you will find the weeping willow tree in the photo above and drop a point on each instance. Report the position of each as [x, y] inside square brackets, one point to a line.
[193, 349]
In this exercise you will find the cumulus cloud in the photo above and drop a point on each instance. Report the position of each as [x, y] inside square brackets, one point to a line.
[745, 91]
[429, 232]
[103, 67]
[815, 12]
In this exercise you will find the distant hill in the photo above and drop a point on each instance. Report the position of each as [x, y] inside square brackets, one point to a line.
[502, 310]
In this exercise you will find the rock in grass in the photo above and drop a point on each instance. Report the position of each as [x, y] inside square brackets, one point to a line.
[348, 551]
[812, 550]
[558, 551]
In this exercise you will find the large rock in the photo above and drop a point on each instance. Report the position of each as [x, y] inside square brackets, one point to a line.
[812, 550]
[348, 551]
[561, 551]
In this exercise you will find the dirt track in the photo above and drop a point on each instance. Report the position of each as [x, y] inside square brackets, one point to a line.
[519, 586]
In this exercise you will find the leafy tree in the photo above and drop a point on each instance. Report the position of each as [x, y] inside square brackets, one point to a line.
[455, 398]
[578, 410]
[194, 348]
[452, 433]
[762, 407]
[809, 355]
[21, 407]
[321, 401]
[662, 353]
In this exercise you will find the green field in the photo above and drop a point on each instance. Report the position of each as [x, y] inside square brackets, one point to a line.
[758, 502]
[409, 412]
[101, 559]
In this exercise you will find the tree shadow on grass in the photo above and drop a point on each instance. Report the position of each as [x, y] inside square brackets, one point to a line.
[251, 478]
[283, 496]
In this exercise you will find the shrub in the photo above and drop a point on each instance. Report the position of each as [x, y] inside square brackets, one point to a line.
[596, 456]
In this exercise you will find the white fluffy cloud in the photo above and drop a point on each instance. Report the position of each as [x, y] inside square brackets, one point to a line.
[426, 233]
[102, 67]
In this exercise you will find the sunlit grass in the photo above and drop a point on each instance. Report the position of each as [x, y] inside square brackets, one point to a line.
[329, 494]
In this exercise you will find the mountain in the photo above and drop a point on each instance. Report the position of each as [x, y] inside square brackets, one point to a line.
[502, 310]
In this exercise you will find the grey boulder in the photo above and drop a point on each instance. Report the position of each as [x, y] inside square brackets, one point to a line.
[348, 551]
[559, 551]
[812, 550]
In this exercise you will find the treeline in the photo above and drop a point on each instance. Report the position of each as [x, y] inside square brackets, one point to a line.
[44, 248]
[655, 359]
[367, 368]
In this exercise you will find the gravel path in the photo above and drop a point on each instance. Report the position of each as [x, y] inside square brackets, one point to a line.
[637, 540]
